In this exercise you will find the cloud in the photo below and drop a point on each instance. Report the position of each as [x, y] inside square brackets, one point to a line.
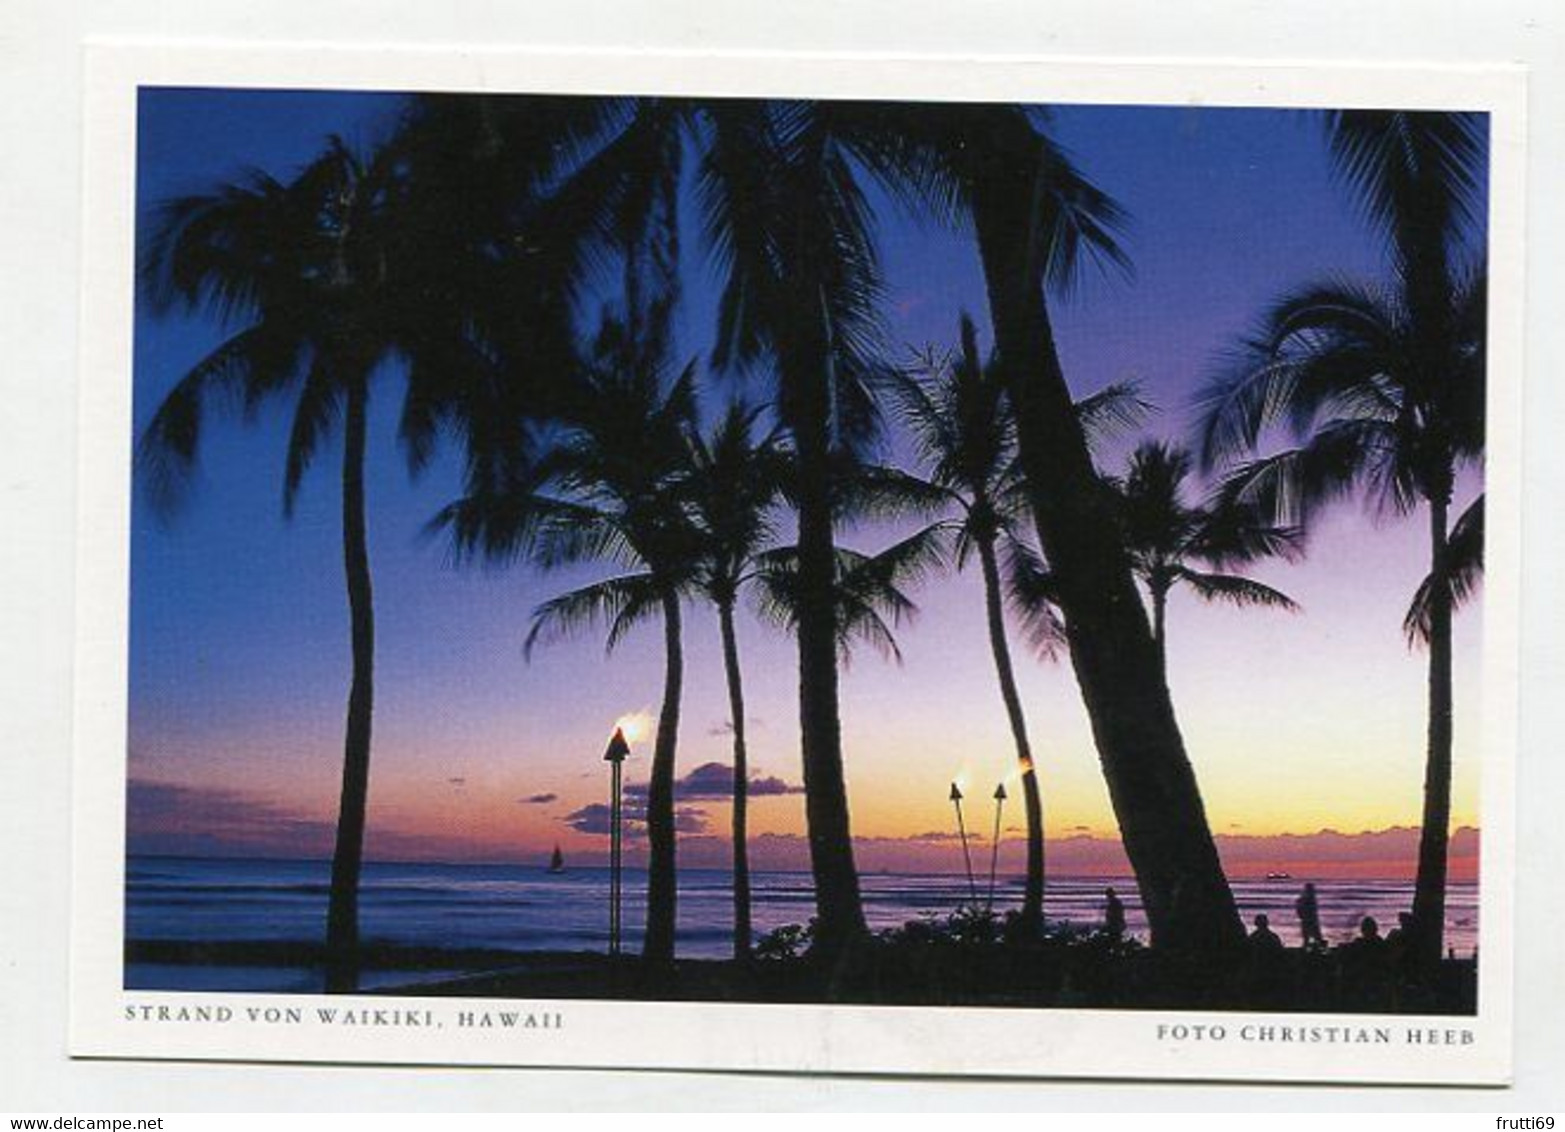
[537, 799]
[165, 817]
[595, 818]
[175, 819]
[711, 781]
[942, 835]
[1381, 853]
[762, 787]
[755, 722]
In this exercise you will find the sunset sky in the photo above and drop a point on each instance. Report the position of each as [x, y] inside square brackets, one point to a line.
[239, 640]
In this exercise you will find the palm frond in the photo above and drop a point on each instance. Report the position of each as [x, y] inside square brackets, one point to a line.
[620, 603]
[255, 363]
[1233, 589]
[881, 493]
[1418, 174]
[320, 407]
[1229, 532]
[734, 484]
[907, 562]
[1081, 223]
[1464, 563]
[734, 191]
[913, 393]
[1289, 487]
[1155, 521]
[869, 590]
[1115, 409]
[502, 527]
[1326, 350]
[1033, 598]
[228, 251]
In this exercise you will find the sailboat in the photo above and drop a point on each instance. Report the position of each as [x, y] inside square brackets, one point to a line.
[557, 862]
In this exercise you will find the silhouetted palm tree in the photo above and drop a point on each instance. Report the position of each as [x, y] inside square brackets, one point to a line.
[736, 481]
[957, 412]
[1166, 536]
[800, 296]
[322, 280]
[1383, 387]
[1339, 366]
[870, 590]
[608, 488]
[790, 232]
[1036, 220]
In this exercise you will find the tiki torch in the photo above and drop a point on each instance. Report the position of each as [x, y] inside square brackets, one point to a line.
[994, 849]
[615, 756]
[961, 828]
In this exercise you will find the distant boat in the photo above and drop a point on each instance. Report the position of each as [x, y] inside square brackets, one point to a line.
[557, 862]
[1279, 876]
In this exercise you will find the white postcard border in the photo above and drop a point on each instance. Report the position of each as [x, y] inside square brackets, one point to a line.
[109, 1021]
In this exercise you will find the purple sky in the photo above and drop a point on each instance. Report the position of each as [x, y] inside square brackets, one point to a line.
[239, 657]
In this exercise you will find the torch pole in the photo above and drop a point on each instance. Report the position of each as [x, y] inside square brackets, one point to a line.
[994, 848]
[967, 856]
[615, 756]
[614, 860]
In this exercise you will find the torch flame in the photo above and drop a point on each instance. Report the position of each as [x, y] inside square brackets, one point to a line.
[636, 725]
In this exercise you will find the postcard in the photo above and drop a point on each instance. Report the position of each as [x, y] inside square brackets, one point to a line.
[798, 564]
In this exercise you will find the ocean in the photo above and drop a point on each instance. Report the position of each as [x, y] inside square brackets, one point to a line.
[524, 908]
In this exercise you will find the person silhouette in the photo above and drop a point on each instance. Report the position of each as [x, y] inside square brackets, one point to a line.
[1399, 943]
[1366, 973]
[1263, 939]
[1308, 908]
[1264, 976]
[1366, 947]
[1113, 915]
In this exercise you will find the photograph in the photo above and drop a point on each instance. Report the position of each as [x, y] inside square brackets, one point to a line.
[1015, 559]
[820, 455]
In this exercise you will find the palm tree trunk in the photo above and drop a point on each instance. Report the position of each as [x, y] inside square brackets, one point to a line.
[839, 908]
[658, 943]
[342, 916]
[1435, 832]
[1151, 783]
[725, 618]
[1160, 629]
[1032, 899]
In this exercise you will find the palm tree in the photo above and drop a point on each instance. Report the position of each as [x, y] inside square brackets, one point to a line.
[735, 482]
[1036, 222]
[1166, 535]
[870, 591]
[800, 294]
[959, 417]
[609, 488]
[784, 218]
[1383, 388]
[321, 281]
[1342, 368]
[734, 486]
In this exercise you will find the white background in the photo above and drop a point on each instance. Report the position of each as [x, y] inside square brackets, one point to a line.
[40, 141]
